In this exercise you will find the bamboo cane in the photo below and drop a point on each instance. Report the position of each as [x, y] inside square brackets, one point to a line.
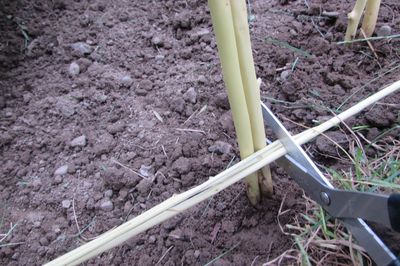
[251, 88]
[370, 17]
[181, 202]
[225, 35]
[354, 19]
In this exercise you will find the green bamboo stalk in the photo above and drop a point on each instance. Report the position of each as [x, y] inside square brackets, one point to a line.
[225, 35]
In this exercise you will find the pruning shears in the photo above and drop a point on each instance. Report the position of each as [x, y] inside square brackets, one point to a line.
[350, 207]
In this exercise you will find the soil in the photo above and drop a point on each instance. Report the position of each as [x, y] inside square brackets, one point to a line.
[94, 92]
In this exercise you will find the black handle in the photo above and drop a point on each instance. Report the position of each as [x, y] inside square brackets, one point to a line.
[394, 212]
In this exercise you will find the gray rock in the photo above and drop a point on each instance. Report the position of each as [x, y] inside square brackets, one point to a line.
[79, 141]
[65, 106]
[176, 234]
[108, 194]
[220, 147]
[159, 57]
[202, 32]
[145, 170]
[62, 170]
[58, 180]
[73, 69]
[107, 206]
[81, 48]
[384, 30]
[84, 64]
[116, 127]
[152, 239]
[197, 253]
[126, 81]
[157, 40]
[285, 74]
[190, 95]
[66, 204]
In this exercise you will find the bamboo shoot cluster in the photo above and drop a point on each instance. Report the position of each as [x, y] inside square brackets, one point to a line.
[231, 29]
[369, 21]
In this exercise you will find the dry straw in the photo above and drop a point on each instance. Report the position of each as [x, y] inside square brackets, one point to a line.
[178, 203]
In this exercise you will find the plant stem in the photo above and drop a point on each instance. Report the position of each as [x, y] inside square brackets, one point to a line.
[251, 88]
[354, 19]
[225, 35]
[370, 17]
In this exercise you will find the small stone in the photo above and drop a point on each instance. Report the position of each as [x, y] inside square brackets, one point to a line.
[202, 32]
[79, 141]
[202, 79]
[71, 168]
[66, 204]
[220, 206]
[107, 206]
[190, 95]
[57, 180]
[116, 127]
[220, 147]
[126, 81]
[285, 74]
[62, 170]
[196, 253]
[44, 241]
[146, 85]
[84, 64]
[176, 234]
[144, 187]
[159, 57]
[384, 30]
[108, 193]
[152, 239]
[73, 69]
[65, 106]
[145, 170]
[81, 49]
[157, 41]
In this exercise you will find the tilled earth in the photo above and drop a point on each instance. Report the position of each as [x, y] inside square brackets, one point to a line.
[110, 107]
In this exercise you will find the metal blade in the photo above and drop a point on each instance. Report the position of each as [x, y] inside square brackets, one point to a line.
[301, 168]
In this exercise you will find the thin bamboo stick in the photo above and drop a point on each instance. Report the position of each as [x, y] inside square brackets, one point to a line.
[251, 88]
[181, 202]
[354, 19]
[225, 35]
[370, 17]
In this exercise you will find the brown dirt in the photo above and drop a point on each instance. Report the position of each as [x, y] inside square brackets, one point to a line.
[139, 61]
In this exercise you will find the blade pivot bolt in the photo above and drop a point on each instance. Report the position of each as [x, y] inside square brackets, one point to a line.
[325, 198]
